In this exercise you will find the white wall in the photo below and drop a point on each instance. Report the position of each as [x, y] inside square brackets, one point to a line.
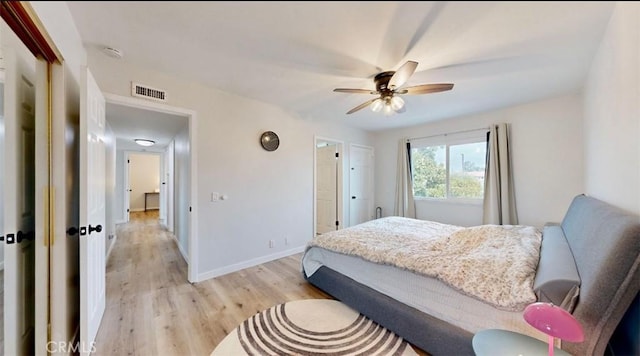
[546, 139]
[270, 193]
[612, 113]
[120, 210]
[144, 177]
[110, 186]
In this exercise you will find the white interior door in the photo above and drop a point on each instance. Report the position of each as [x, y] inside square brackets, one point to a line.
[169, 159]
[327, 188]
[360, 184]
[92, 209]
[65, 179]
[19, 200]
[127, 189]
[162, 199]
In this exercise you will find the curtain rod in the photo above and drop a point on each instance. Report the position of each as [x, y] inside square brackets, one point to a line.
[448, 133]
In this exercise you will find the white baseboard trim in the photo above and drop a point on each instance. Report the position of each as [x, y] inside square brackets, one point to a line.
[184, 255]
[136, 210]
[113, 243]
[2, 266]
[118, 222]
[246, 264]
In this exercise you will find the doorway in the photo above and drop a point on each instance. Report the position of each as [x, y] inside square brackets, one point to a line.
[328, 185]
[176, 157]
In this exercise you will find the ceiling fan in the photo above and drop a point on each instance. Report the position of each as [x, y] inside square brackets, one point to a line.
[389, 86]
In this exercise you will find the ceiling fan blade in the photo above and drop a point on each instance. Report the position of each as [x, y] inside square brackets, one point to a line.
[425, 89]
[361, 106]
[355, 91]
[402, 74]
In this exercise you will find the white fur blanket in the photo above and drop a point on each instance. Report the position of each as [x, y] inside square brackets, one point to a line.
[494, 263]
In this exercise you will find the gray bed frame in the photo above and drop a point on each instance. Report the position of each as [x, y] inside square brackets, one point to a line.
[605, 242]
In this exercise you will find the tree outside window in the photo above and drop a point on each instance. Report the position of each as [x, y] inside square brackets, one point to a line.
[447, 171]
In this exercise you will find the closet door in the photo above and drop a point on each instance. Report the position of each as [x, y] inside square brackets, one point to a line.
[19, 194]
[25, 193]
[360, 184]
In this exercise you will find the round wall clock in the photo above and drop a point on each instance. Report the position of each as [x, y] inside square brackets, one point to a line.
[269, 141]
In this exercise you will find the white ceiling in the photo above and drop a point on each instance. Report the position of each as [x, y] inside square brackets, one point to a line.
[129, 123]
[294, 54]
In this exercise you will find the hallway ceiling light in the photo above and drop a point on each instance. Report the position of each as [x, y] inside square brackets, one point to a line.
[144, 142]
[112, 52]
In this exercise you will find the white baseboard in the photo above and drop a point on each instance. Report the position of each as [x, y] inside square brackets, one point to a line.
[184, 254]
[246, 264]
[2, 266]
[132, 210]
[118, 222]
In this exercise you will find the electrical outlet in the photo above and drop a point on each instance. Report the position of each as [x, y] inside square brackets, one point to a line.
[272, 243]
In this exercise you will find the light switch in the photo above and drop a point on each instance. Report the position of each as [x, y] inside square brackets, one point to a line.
[215, 196]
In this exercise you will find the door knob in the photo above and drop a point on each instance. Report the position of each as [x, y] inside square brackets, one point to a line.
[353, 197]
[72, 231]
[97, 228]
[18, 237]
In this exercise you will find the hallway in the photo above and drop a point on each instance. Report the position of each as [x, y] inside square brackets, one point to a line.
[153, 310]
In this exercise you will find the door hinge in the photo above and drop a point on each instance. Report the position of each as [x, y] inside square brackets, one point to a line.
[127, 210]
[337, 223]
[189, 209]
[128, 161]
[337, 154]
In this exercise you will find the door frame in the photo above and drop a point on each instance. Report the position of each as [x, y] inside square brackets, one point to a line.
[192, 262]
[339, 187]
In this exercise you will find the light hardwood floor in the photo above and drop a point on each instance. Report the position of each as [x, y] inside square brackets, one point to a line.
[153, 310]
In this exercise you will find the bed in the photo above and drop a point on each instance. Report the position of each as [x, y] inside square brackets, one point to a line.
[588, 264]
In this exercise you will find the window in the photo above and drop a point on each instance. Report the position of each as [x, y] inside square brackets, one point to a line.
[446, 168]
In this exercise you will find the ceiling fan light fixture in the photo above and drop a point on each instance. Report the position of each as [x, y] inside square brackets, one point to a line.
[144, 142]
[388, 110]
[397, 103]
[388, 85]
[377, 105]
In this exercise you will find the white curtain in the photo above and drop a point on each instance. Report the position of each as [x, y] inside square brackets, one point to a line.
[405, 205]
[499, 196]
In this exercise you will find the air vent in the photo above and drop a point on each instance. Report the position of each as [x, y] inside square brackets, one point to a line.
[146, 92]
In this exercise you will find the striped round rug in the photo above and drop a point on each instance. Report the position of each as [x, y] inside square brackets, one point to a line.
[311, 327]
